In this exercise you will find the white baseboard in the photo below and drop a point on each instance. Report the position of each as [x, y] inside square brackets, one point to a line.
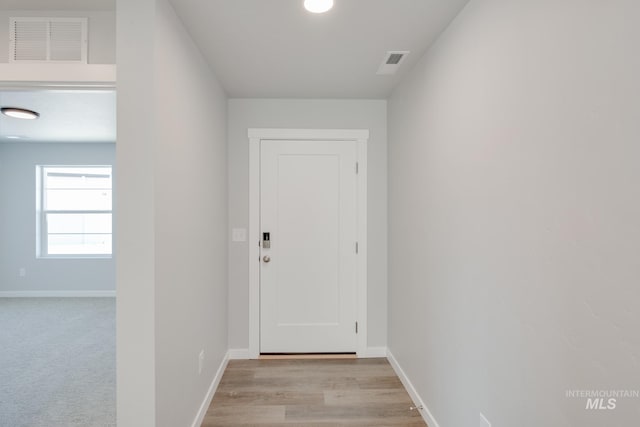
[212, 390]
[427, 416]
[57, 294]
[239, 354]
[374, 352]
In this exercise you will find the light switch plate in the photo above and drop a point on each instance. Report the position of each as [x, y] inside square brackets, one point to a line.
[239, 235]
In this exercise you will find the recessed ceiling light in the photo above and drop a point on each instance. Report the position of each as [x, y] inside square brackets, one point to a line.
[318, 6]
[19, 113]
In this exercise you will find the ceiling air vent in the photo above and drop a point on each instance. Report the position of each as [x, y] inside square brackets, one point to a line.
[39, 39]
[392, 61]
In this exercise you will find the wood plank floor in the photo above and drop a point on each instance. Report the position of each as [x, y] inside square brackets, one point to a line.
[309, 393]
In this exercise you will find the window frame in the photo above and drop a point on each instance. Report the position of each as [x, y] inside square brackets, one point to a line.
[42, 232]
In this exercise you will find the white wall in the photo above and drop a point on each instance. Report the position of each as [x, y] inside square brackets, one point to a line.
[135, 247]
[18, 221]
[101, 27]
[191, 222]
[514, 207]
[172, 262]
[313, 114]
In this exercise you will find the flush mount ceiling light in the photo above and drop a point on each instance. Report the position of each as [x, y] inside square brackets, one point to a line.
[318, 6]
[19, 113]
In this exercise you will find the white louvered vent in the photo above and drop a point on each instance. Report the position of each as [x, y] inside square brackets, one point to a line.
[38, 39]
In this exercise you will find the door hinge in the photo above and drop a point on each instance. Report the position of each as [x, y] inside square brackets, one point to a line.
[357, 167]
[356, 327]
[357, 247]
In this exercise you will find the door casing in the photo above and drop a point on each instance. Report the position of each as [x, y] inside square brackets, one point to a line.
[360, 137]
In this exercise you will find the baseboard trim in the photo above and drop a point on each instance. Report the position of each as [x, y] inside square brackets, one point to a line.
[57, 294]
[373, 352]
[239, 354]
[197, 422]
[427, 416]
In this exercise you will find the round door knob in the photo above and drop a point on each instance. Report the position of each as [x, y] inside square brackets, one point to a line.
[266, 258]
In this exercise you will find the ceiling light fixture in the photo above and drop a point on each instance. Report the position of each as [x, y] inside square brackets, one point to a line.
[318, 6]
[19, 113]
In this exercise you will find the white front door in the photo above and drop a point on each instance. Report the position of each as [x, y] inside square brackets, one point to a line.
[308, 268]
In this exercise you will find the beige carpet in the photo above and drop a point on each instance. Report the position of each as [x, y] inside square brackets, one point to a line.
[57, 362]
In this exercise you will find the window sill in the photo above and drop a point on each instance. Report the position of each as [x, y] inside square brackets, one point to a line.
[74, 257]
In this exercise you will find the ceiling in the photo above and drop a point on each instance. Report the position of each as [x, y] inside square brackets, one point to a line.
[276, 49]
[257, 49]
[65, 116]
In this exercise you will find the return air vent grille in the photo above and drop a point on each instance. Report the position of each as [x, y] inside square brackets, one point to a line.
[392, 61]
[394, 58]
[38, 39]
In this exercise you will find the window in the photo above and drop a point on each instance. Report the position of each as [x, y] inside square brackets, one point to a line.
[75, 211]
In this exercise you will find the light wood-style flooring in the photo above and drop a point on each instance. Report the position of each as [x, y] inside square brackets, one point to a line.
[309, 393]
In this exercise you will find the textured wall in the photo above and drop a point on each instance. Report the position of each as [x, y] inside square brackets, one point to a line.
[172, 205]
[514, 206]
[18, 163]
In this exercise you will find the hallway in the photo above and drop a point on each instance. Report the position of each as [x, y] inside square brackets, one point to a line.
[327, 392]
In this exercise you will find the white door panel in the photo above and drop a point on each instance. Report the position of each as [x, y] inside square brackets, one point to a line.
[308, 287]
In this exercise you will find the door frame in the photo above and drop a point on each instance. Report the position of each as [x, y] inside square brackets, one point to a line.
[361, 138]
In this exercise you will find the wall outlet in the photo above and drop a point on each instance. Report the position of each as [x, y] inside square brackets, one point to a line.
[200, 361]
[22, 272]
[483, 421]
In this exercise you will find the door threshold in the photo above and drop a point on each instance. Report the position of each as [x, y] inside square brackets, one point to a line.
[300, 356]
